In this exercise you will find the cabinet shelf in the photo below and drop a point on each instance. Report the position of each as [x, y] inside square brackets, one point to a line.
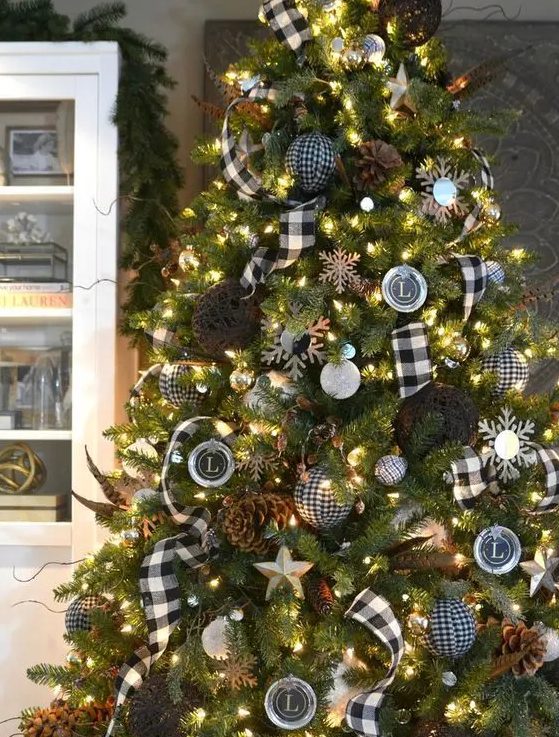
[35, 435]
[37, 193]
[45, 315]
[44, 534]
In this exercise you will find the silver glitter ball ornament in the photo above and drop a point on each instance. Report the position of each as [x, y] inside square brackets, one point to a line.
[130, 535]
[241, 380]
[236, 615]
[418, 623]
[449, 678]
[353, 57]
[192, 600]
[340, 381]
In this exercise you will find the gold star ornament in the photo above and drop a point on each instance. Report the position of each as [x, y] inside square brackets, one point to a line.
[399, 87]
[541, 571]
[284, 571]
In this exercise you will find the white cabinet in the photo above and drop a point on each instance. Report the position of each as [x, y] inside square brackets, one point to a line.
[58, 326]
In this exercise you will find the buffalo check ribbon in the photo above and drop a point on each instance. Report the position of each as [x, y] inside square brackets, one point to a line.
[162, 337]
[472, 474]
[412, 358]
[374, 613]
[159, 586]
[289, 25]
[474, 274]
[297, 233]
[473, 221]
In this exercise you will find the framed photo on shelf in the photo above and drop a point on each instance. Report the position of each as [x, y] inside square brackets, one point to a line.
[33, 152]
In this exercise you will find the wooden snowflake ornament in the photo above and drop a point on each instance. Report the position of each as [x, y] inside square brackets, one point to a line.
[442, 184]
[238, 671]
[339, 268]
[509, 441]
[294, 352]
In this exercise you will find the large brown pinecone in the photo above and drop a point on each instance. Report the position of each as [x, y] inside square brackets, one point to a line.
[320, 595]
[61, 720]
[245, 521]
[378, 158]
[517, 639]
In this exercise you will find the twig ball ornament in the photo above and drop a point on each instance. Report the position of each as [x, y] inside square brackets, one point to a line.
[340, 381]
[77, 617]
[214, 639]
[390, 470]
[511, 368]
[454, 410]
[316, 502]
[311, 160]
[173, 390]
[153, 713]
[225, 318]
[452, 629]
[416, 20]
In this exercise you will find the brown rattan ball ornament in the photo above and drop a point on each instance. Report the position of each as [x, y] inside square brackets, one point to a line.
[454, 415]
[244, 523]
[61, 720]
[416, 20]
[152, 713]
[526, 643]
[225, 318]
[376, 160]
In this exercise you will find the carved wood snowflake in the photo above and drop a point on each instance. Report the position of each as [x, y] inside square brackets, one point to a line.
[295, 363]
[441, 169]
[257, 464]
[509, 443]
[339, 268]
[238, 671]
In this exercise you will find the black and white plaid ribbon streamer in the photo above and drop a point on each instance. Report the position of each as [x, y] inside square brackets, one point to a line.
[162, 338]
[412, 358]
[473, 221]
[297, 233]
[234, 164]
[474, 274]
[374, 613]
[159, 585]
[154, 370]
[289, 25]
[470, 476]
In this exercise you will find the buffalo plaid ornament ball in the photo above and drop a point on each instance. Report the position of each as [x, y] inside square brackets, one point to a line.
[172, 389]
[316, 502]
[311, 160]
[452, 629]
[390, 470]
[77, 617]
[511, 368]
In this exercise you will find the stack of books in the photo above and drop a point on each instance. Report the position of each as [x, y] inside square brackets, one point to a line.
[35, 294]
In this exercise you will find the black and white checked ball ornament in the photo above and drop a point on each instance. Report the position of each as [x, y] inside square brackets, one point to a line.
[495, 272]
[511, 368]
[77, 618]
[452, 629]
[316, 502]
[311, 160]
[173, 390]
[390, 470]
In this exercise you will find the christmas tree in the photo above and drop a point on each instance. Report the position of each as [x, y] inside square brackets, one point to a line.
[336, 509]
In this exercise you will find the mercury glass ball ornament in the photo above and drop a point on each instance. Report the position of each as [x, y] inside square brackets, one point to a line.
[457, 352]
[449, 678]
[418, 623]
[241, 380]
[353, 57]
[492, 212]
[192, 600]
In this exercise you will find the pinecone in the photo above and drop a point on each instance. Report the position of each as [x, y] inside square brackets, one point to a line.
[522, 650]
[378, 158]
[320, 595]
[245, 521]
[61, 720]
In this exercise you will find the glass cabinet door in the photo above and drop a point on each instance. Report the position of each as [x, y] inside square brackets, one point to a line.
[37, 144]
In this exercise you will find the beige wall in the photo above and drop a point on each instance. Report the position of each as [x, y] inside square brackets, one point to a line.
[179, 25]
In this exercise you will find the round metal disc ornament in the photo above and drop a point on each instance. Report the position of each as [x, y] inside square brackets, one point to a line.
[444, 192]
[367, 204]
[340, 381]
[497, 550]
[211, 464]
[290, 703]
[507, 445]
[404, 288]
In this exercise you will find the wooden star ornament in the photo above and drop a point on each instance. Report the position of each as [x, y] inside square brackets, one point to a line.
[284, 571]
[541, 571]
[399, 87]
